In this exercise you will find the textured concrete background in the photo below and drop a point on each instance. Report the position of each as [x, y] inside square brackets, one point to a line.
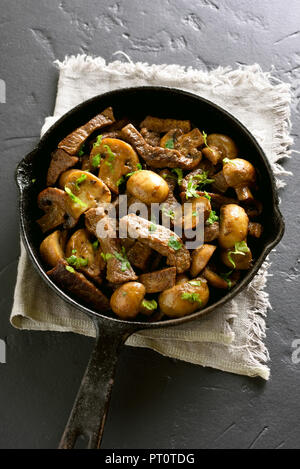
[156, 402]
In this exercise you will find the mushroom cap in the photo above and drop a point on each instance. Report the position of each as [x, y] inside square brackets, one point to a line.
[239, 172]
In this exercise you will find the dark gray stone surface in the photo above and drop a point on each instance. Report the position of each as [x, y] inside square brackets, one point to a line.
[157, 402]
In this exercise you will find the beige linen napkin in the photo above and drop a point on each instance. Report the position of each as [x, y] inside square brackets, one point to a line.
[231, 338]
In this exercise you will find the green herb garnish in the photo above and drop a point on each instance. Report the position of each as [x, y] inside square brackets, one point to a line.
[203, 179]
[174, 243]
[120, 181]
[168, 212]
[170, 143]
[74, 198]
[95, 245]
[240, 248]
[80, 180]
[96, 160]
[197, 283]
[33, 180]
[107, 256]
[77, 262]
[227, 160]
[207, 196]
[98, 141]
[74, 251]
[70, 269]
[212, 217]
[111, 156]
[151, 305]
[179, 174]
[191, 297]
[81, 151]
[225, 276]
[125, 264]
[191, 191]
[139, 168]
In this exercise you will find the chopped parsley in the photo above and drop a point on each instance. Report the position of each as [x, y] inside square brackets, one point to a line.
[195, 213]
[191, 297]
[169, 143]
[95, 245]
[191, 190]
[74, 251]
[168, 212]
[207, 196]
[151, 305]
[179, 174]
[212, 217]
[125, 264]
[77, 262]
[74, 198]
[70, 269]
[205, 138]
[139, 168]
[120, 181]
[96, 160]
[152, 227]
[196, 283]
[227, 160]
[33, 181]
[81, 150]
[98, 141]
[80, 180]
[174, 243]
[107, 256]
[203, 179]
[225, 276]
[111, 156]
[240, 248]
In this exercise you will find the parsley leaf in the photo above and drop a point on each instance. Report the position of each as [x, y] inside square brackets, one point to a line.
[70, 269]
[149, 304]
[191, 297]
[111, 156]
[120, 181]
[74, 198]
[81, 150]
[74, 251]
[168, 212]
[191, 190]
[96, 160]
[240, 248]
[77, 262]
[203, 179]
[174, 243]
[107, 256]
[225, 276]
[227, 160]
[170, 143]
[139, 168]
[179, 174]
[205, 138]
[80, 180]
[33, 181]
[125, 264]
[98, 141]
[212, 217]
[197, 283]
[95, 245]
[206, 195]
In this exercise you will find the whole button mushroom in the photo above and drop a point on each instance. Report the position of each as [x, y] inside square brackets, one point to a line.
[127, 299]
[220, 146]
[148, 187]
[233, 225]
[239, 174]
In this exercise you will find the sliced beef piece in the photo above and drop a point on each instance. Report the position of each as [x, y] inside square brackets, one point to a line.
[118, 270]
[158, 157]
[164, 125]
[217, 200]
[60, 162]
[161, 240]
[153, 138]
[159, 280]
[139, 255]
[79, 286]
[55, 203]
[72, 142]
[211, 232]
[170, 205]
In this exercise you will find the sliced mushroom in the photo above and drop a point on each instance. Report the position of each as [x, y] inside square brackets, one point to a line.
[159, 125]
[240, 174]
[51, 248]
[60, 162]
[214, 279]
[196, 210]
[72, 142]
[233, 225]
[58, 211]
[118, 158]
[148, 187]
[169, 140]
[184, 298]
[189, 144]
[158, 157]
[80, 246]
[75, 283]
[224, 144]
[212, 153]
[200, 258]
[84, 190]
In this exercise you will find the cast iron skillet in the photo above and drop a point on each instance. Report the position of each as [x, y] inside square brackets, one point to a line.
[89, 412]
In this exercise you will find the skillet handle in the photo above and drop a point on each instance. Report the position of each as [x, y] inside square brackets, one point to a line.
[88, 415]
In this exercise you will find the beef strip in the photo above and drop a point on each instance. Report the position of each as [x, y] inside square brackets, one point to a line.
[159, 280]
[56, 205]
[72, 142]
[158, 240]
[139, 254]
[211, 232]
[116, 271]
[158, 157]
[76, 283]
[153, 138]
[60, 162]
[164, 125]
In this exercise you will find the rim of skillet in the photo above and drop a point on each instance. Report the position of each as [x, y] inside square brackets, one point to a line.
[169, 322]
